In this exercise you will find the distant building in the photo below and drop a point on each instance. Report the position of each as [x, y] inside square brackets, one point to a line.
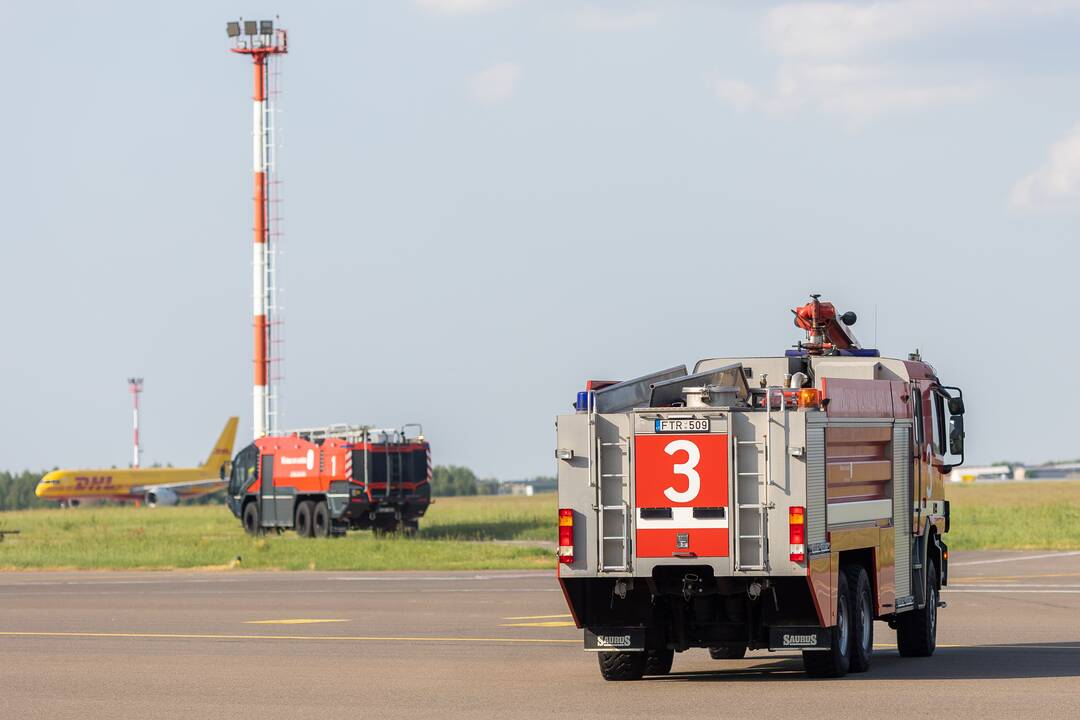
[527, 487]
[1049, 471]
[991, 473]
[981, 474]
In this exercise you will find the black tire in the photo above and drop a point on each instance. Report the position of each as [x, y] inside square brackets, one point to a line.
[728, 651]
[622, 665]
[916, 630]
[252, 520]
[302, 523]
[862, 618]
[410, 528]
[658, 662]
[320, 520]
[835, 661]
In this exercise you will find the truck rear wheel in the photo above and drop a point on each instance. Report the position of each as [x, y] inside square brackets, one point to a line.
[658, 662]
[252, 521]
[303, 518]
[916, 630]
[862, 618]
[622, 665]
[835, 661]
[320, 520]
[728, 651]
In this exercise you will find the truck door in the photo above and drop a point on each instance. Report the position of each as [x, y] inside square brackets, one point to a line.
[394, 471]
[266, 491]
[918, 472]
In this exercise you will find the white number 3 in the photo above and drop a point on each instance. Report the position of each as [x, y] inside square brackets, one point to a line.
[693, 480]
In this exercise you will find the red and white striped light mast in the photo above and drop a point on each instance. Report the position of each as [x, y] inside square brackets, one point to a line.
[262, 42]
[135, 385]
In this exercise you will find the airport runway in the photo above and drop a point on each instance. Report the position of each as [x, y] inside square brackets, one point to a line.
[491, 644]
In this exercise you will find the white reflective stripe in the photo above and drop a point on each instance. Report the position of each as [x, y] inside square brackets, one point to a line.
[337, 494]
[681, 518]
[258, 135]
[258, 269]
[259, 402]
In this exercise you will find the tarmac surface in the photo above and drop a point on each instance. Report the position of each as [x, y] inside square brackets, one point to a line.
[491, 644]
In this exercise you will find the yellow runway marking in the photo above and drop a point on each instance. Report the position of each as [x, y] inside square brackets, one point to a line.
[420, 639]
[338, 638]
[1010, 577]
[886, 646]
[544, 623]
[296, 621]
[538, 617]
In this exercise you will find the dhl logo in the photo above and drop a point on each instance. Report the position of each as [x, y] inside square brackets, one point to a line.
[93, 482]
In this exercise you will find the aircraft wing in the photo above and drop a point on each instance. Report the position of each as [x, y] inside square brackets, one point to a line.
[178, 486]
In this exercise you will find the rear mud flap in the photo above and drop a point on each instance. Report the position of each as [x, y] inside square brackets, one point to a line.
[799, 638]
[615, 639]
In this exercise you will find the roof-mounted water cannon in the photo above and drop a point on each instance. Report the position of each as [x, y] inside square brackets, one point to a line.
[826, 332]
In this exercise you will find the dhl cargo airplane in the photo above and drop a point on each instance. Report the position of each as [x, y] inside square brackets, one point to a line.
[154, 486]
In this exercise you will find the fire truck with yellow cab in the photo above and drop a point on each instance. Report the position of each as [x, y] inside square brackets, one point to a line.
[324, 481]
[760, 503]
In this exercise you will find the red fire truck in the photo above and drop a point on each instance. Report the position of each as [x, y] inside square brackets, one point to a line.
[324, 481]
[760, 502]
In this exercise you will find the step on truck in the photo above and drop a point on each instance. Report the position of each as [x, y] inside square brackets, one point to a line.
[780, 503]
[325, 481]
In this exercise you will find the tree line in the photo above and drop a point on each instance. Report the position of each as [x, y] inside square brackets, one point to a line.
[17, 489]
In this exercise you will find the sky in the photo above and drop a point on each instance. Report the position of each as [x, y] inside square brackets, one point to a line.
[487, 202]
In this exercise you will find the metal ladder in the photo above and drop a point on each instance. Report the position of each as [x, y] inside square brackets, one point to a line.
[605, 533]
[761, 508]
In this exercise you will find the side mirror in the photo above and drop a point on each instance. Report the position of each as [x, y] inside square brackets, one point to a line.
[956, 405]
[956, 432]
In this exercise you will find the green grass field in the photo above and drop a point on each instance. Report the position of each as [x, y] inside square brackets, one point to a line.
[208, 536]
[455, 534]
[1015, 516]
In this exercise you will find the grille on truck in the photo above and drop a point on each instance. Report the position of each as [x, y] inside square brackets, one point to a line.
[358, 465]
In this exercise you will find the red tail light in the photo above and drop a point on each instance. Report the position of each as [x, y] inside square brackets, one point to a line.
[797, 533]
[566, 535]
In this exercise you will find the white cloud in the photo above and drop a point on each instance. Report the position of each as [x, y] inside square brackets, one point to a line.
[495, 84]
[1056, 183]
[604, 19]
[460, 7]
[830, 55]
[736, 93]
[835, 29]
[856, 92]
[860, 92]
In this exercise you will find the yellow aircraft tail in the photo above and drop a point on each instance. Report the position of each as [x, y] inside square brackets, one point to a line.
[221, 453]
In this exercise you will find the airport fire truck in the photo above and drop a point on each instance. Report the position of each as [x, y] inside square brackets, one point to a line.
[324, 481]
[760, 502]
